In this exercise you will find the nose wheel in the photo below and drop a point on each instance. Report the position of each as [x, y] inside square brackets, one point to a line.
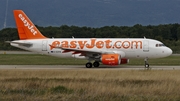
[146, 63]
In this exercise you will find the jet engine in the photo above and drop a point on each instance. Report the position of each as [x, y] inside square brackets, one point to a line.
[113, 59]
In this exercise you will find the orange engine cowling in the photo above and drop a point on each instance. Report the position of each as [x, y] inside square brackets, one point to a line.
[113, 59]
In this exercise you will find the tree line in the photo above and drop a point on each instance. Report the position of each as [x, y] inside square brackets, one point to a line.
[169, 34]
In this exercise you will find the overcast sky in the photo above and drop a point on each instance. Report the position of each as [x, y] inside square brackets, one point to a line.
[92, 13]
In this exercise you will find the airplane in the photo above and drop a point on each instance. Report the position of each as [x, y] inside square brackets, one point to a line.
[108, 51]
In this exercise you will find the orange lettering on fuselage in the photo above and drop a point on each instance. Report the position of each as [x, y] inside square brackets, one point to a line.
[126, 44]
[100, 44]
[108, 43]
[73, 44]
[82, 44]
[118, 46]
[136, 44]
[64, 44]
[54, 44]
[94, 43]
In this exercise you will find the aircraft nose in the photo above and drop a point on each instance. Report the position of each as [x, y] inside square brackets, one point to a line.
[169, 51]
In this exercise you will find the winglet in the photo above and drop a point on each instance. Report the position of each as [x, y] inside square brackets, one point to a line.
[26, 29]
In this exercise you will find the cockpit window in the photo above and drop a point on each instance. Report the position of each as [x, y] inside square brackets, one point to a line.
[160, 45]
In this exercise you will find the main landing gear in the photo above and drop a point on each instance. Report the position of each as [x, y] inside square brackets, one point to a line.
[95, 64]
[146, 63]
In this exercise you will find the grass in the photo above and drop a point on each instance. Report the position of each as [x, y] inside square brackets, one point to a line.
[171, 60]
[89, 85]
[37, 59]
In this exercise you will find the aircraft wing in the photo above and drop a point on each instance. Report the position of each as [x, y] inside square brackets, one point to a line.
[78, 50]
[85, 52]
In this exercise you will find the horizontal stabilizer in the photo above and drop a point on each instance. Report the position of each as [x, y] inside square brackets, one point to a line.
[26, 44]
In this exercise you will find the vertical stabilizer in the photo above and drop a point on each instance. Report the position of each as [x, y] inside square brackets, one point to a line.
[26, 29]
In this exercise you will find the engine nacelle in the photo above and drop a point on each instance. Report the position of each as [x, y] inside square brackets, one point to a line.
[113, 59]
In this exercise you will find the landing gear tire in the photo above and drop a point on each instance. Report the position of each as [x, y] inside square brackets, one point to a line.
[96, 64]
[146, 65]
[88, 65]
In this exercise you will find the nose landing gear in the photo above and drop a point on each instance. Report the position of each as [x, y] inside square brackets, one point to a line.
[146, 63]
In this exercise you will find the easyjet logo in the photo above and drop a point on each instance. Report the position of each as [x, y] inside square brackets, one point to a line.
[110, 59]
[27, 24]
[93, 43]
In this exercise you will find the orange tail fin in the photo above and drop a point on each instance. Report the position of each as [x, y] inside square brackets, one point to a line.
[26, 29]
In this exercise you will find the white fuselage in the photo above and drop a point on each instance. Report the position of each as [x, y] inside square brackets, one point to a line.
[108, 51]
[131, 47]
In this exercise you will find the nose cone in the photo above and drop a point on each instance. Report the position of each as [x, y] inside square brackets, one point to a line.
[168, 51]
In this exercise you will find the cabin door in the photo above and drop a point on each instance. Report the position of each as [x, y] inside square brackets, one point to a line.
[44, 45]
[146, 46]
